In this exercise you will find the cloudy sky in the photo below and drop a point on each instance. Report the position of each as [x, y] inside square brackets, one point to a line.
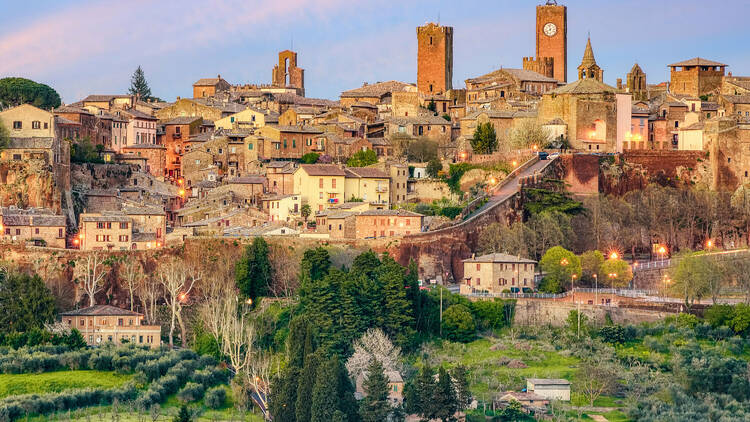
[80, 47]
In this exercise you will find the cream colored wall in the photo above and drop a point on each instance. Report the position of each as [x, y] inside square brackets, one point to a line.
[243, 119]
[690, 140]
[279, 210]
[309, 188]
[368, 189]
[26, 114]
[488, 276]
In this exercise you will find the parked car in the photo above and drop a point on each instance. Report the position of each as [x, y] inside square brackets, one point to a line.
[543, 155]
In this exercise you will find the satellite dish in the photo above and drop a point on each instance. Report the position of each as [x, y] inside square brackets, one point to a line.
[98, 339]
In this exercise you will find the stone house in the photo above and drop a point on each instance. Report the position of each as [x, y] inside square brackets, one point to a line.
[37, 225]
[280, 176]
[184, 107]
[208, 87]
[369, 184]
[155, 155]
[336, 224]
[113, 231]
[177, 133]
[320, 185]
[141, 127]
[549, 388]
[108, 102]
[696, 76]
[497, 272]
[433, 127]
[387, 223]
[104, 323]
[506, 84]
[282, 208]
[249, 118]
[250, 188]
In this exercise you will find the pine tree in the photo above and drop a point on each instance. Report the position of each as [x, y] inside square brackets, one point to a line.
[139, 86]
[314, 265]
[345, 393]
[419, 396]
[398, 317]
[461, 383]
[445, 403]
[184, 415]
[325, 400]
[366, 263]
[283, 400]
[375, 406]
[253, 270]
[306, 383]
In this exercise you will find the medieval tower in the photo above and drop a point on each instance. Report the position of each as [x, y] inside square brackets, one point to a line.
[551, 41]
[434, 59]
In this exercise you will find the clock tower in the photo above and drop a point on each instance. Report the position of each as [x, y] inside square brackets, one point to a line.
[552, 37]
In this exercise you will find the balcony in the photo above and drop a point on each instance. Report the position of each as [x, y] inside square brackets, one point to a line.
[381, 189]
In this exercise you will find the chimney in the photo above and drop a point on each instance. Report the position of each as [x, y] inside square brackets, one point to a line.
[178, 98]
[218, 76]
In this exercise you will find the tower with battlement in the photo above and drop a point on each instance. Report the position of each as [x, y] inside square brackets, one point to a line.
[551, 42]
[434, 59]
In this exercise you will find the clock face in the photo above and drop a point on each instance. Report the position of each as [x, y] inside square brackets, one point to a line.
[550, 29]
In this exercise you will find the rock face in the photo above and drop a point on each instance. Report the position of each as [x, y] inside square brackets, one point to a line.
[29, 184]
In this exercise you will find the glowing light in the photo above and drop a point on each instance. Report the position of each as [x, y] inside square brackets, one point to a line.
[180, 182]
[709, 243]
[75, 241]
[564, 262]
[182, 192]
[613, 255]
[182, 297]
[492, 180]
[515, 163]
[534, 147]
[662, 250]
[80, 235]
[249, 301]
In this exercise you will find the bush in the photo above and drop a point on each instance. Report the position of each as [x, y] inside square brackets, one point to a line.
[450, 211]
[310, 158]
[216, 397]
[191, 392]
[718, 315]
[613, 334]
[458, 324]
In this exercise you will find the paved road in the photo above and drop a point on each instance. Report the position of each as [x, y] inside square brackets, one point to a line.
[511, 187]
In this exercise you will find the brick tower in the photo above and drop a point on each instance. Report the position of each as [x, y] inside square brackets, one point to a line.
[552, 37]
[287, 74]
[434, 59]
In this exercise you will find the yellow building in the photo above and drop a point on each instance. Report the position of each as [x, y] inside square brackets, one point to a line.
[107, 324]
[115, 232]
[284, 208]
[371, 185]
[27, 121]
[497, 272]
[690, 138]
[320, 185]
[245, 119]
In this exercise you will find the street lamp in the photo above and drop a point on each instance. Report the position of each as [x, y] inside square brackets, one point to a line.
[709, 244]
[613, 255]
[596, 288]
[662, 251]
[572, 287]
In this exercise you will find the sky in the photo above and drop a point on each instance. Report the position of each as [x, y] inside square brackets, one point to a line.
[82, 47]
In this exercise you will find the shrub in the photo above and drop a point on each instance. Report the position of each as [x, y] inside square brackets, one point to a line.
[614, 334]
[215, 397]
[190, 392]
[458, 323]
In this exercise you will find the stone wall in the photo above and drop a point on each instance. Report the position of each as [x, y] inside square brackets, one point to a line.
[29, 184]
[547, 312]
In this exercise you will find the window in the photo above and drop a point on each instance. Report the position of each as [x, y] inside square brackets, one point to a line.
[320, 183]
[123, 226]
[333, 183]
[177, 129]
[294, 143]
[250, 147]
[284, 143]
[17, 157]
[676, 123]
[120, 322]
[36, 124]
[46, 125]
[17, 125]
[36, 230]
[479, 266]
[100, 225]
[59, 232]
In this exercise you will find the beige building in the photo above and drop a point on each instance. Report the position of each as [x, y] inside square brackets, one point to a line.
[38, 225]
[107, 324]
[115, 231]
[549, 388]
[497, 272]
[369, 184]
[320, 185]
[690, 138]
[284, 208]
[246, 119]
[387, 223]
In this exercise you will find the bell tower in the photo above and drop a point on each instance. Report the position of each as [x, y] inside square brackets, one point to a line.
[552, 37]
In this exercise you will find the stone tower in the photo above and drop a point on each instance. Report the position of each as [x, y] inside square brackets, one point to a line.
[286, 74]
[636, 83]
[588, 68]
[552, 37]
[434, 59]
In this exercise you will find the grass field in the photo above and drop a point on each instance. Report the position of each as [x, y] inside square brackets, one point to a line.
[55, 382]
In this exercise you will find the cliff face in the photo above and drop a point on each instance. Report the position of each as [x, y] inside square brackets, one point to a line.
[29, 184]
[637, 169]
[100, 176]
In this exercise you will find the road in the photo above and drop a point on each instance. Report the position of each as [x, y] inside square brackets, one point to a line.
[511, 187]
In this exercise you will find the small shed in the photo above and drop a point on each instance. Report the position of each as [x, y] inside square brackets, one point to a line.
[549, 388]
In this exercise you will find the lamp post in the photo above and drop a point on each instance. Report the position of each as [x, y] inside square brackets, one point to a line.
[662, 252]
[564, 263]
[596, 288]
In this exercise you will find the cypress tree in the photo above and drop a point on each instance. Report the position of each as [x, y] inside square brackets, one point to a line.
[444, 399]
[375, 406]
[283, 400]
[253, 270]
[461, 382]
[367, 264]
[398, 320]
[139, 86]
[345, 393]
[325, 400]
[306, 383]
[419, 396]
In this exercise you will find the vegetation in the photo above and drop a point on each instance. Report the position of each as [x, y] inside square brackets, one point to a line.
[434, 167]
[254, 270]
[4, 137]
[83, 151]
[17, 91]
[362, 159]
[26, 303]
[484, 140]
[529, 134]
[310, 158]
[139, 86]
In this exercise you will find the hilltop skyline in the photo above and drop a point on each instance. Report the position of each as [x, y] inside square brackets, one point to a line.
[339, 44]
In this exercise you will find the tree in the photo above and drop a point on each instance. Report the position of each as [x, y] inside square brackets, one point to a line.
[529, 134]
[310, 158]
[484, 140]
[458, 323]
[184, 415]
[432, 106]
[375, 407]
[597, 377]
[149, 291]
[315, 264]
[90, 270]
[374, 345]
[253, 270]
[696, 277]
[434, 166]
[617, 272]
[332, 394]
[461, 384]
[561, 265]
[25, 301]
[305, 211]
[419, 394]
[17, 91]
[515, 239]
[4, 137]
[139, 86]
[177, 278]
[362, 158]
[591, 262]
[131, 273]
[445, 405]
[306, 384]
[421, 149]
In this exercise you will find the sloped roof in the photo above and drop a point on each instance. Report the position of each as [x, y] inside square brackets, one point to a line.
[529, 75]
[322, 170]
[585, 86]
[101, 310]
[182, 120]
[737, 99]
[697, 61]
[392, 213]
[500, 257]
[30, 143]
[208, 81]
[365, 172]
[248, 180]
[377, 89]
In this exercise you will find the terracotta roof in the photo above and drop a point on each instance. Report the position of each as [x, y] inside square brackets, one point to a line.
[737, 99]
[709, 106]
[248, 180]
[522, 396]
[364, 104]
[182, 120]
[299, 129]
[41, 217]
[278, 164]
[106, 218]
[208, 81]
[101, 310]
[548, 381]
[500, 257]
[63, 121]
[419, 120]
[392, 213]
[72, 109]
[529, 75]
[365, 172]
[585, 86]
[135, 114]
[696, 62]
[322, 170]
[377, 89]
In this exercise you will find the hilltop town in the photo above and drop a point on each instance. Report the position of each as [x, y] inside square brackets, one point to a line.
[530, 243]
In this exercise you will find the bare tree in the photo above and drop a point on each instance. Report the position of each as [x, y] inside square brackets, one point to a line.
[374, 344]
[596, 378]
[284, 281]
[149, 291]
[90, 271]
[177, 278]
[131, 273]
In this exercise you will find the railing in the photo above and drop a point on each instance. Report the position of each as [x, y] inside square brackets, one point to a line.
[665, 263]
[617, 292]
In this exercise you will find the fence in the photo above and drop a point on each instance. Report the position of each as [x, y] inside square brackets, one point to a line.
[632, 293]
[665, 263]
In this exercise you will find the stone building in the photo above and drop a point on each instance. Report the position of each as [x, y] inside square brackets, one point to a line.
[496, 88]
[735, 105]
[320, 185]
[280, 176]
[40, 226]
[379, 94]
[387, 223]
[636, 83]
[209, 87]
[286, 74]
[434, 59]
[497, 272]
[369, 184]
[177, 133]
[155, 155]
[115, 231]
[588, 69]
[696, 76]
[107, 324]
[551, 58]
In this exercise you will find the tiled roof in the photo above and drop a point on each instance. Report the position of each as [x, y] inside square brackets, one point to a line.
[248, 180]
[71, 109]
[737, 99]
[697, 62]
[299, 129]
[585, 86]
[499, 257]
[278, 164]
[377, 89]
[548, 381]
[335, 215]
[144, 146]
[144, 237]
[419, 120]
[135, 114]
[100, 98]
[208, 81]
[365, 172]
[322, 170]
[63, 121]
[106, 218]
[709, 106]
[392, 213]
[41, 217]
[101, 310]
[182, 120]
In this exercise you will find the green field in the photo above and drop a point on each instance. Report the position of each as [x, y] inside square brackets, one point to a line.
[55, 382]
